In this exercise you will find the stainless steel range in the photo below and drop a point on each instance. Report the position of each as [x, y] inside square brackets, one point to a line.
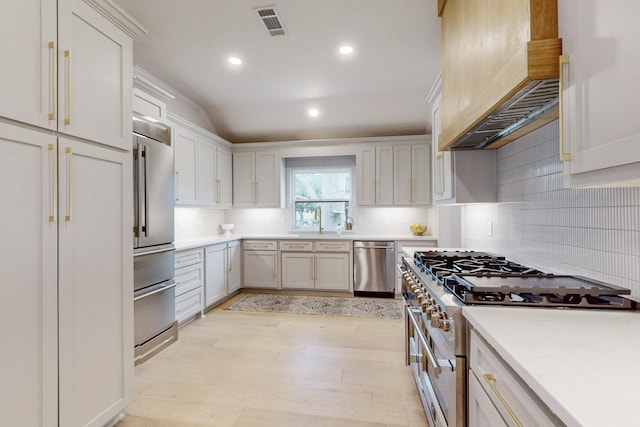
[437, 284]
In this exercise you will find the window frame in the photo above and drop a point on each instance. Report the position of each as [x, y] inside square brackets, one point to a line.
[291, 199]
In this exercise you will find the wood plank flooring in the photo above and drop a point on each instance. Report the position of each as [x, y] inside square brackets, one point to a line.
[240, 369]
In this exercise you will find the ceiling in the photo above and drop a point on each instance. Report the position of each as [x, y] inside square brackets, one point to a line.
[379, 90]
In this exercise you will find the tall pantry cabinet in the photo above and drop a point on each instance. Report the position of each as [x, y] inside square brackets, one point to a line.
[66, 185]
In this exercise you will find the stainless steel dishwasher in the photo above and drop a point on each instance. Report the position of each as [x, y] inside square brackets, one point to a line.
[374, 268]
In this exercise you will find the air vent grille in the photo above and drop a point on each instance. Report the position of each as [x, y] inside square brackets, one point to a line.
[271, 20]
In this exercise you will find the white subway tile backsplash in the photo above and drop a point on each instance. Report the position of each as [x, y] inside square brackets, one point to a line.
[594, 232]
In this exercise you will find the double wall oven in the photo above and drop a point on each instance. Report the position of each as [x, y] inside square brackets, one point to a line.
[437, 284]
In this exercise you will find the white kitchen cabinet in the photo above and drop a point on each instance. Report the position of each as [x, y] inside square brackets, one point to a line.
[375, 176]
[190, 277]
[256, 179]
[29, 360]
[461, 176]
[298, 270]
[206, 171]
[260, 264]
[496, 395]
[412, 175]
[149, 106]
[224, 176]
[67, 69]
[322, 265]
[599, 133]
[69, 272]
[234, 267]
[186, 176]
[215, 288]
[95, 279]
[202, 166]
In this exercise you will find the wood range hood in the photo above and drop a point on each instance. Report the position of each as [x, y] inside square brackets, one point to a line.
[500, 70]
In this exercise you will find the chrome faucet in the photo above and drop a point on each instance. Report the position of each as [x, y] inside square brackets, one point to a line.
[318, 215]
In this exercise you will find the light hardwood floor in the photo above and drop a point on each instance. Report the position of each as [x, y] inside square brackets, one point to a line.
[277, 370]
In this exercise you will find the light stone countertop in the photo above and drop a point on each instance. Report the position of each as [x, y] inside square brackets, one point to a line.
[220, 238]
[584, 364]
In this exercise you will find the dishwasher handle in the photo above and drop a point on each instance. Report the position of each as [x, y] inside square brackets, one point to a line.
[373, 245]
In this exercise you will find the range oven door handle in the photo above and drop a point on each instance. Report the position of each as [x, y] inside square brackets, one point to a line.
[437, 369]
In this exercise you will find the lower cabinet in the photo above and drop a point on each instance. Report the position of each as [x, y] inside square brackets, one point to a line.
[260, 262]
[67, 268]
[189, 267]
[497, 397]
[222, 272]
[314, 265]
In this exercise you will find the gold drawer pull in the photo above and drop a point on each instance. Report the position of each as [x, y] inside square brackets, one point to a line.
[491, 379]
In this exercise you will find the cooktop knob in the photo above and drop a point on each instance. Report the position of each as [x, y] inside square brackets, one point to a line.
[435, 316]
[444, 323]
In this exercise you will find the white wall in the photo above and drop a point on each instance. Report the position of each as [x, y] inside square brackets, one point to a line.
[594, 232]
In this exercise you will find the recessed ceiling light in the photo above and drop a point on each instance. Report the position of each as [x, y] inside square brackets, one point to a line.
[346, 49]
[313, 112]
[235, 60]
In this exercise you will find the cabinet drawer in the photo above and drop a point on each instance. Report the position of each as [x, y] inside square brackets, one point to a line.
[333, 246]
[189, 278]
[188, 257]
[188, 305]
[509, 394]
[261, 245]
[296, 246]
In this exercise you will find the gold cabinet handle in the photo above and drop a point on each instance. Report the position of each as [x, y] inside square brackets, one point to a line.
[312, 269]
[67, 57]
[217, 191]
[229, 258]
[177, 186]
[54, 182]
[274, 265]
[69, 154]
[564, 156]
[491, 379]
[53, 84]
[440, 174]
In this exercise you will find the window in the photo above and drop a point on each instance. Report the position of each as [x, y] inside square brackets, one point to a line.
[326, 188]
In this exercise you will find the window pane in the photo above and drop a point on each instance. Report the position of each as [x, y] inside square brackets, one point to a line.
[333, 213]
[322, 185]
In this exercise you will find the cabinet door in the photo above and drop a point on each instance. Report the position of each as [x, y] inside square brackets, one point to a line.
[95, 283]
[298, 270]
[384, 176]
[185, 144]
[215, 286]
[599, 91]
[420, 174]
[332, 271]
[234, 265]
[482, 413]
[29, 301]
[442, 160]
[261, 269]
[206, 174]
[367, 177]
[224, 193]
[95, 61]
[28, 72]
[244, 166]
[403, 181]
[267, 180]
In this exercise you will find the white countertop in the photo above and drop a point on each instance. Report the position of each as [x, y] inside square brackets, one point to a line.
[584, 364]
[220, 238]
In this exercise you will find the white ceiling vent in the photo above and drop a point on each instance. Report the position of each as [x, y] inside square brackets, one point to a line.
[271, 20]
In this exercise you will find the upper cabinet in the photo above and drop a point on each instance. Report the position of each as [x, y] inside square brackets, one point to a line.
[256, 179]
[68, 69]
[202, 166]
[375, 176]
[412, 175]
[499, 70]
[599, 134]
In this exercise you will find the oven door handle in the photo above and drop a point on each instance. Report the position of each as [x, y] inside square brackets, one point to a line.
[437, 369]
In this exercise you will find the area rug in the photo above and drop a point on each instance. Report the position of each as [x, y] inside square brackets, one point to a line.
[332, 306]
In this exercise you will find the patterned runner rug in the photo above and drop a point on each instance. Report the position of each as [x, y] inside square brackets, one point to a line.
[332, 306]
